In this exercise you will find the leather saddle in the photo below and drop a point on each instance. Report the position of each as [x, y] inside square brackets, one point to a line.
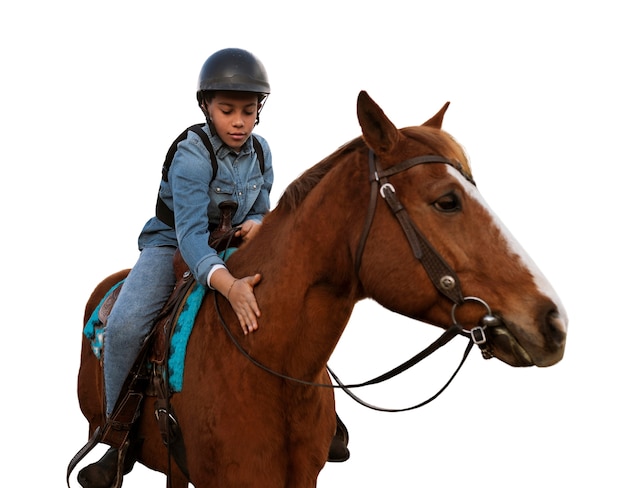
[155, 352]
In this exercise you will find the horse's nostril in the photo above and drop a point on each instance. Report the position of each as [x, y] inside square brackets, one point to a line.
[557, 327]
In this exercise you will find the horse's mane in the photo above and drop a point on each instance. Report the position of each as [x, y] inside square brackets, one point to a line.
[297, 191]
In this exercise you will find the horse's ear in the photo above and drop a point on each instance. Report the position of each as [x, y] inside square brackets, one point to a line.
[380, 134]
[436, 120]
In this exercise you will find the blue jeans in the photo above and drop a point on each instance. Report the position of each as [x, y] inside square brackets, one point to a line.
[141, 298]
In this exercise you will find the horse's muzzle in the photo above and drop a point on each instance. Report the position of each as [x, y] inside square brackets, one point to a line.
[546, 349]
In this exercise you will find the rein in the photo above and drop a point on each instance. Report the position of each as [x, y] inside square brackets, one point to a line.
[440, 273]
[442, 340]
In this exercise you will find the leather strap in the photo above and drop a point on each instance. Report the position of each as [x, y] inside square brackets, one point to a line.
[440, 273]
[116, 430]
[93, 441]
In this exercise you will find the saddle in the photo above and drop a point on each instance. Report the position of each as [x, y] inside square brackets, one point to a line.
[221, 238]
[148, 377]
[149, 374]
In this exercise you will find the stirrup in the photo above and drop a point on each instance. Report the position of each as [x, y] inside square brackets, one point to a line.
[109, 470]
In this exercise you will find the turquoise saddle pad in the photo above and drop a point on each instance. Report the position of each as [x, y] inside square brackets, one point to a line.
[94, 330]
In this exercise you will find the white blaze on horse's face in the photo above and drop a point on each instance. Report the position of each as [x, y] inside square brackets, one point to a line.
[543, 285]
[558, 319]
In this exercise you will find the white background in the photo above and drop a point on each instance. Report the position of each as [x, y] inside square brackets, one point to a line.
[92, 93]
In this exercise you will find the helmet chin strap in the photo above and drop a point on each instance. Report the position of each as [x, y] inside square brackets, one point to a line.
[207, 117]
[262, 101]
[211, 126]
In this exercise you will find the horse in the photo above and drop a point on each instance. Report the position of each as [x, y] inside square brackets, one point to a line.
[393, 215]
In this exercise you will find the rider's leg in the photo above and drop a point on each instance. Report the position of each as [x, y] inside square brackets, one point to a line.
[141, 298]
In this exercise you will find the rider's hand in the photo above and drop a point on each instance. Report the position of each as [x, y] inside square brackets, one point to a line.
[240, 294]
[248, 229]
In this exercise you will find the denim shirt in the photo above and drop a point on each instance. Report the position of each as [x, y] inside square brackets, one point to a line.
[195, 202]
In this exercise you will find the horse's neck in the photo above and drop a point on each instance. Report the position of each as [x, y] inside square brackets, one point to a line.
[307, 292]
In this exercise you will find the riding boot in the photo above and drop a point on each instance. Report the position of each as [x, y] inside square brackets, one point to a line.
[339, 452]
[103, 473]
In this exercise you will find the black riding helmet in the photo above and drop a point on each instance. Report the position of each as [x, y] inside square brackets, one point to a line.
[233, 69]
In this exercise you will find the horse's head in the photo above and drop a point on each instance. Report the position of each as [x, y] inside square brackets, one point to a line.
[473, 253]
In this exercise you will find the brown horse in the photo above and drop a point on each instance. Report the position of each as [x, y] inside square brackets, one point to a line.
[393, 215]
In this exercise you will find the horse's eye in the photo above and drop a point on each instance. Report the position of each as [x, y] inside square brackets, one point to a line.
[448, 203]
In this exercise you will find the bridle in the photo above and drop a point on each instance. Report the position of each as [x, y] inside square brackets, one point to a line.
[439, 271]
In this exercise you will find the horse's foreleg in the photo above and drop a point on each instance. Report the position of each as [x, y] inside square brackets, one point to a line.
[177, 482]
[312, 425]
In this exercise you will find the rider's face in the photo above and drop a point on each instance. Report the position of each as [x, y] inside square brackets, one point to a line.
[234, 115]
